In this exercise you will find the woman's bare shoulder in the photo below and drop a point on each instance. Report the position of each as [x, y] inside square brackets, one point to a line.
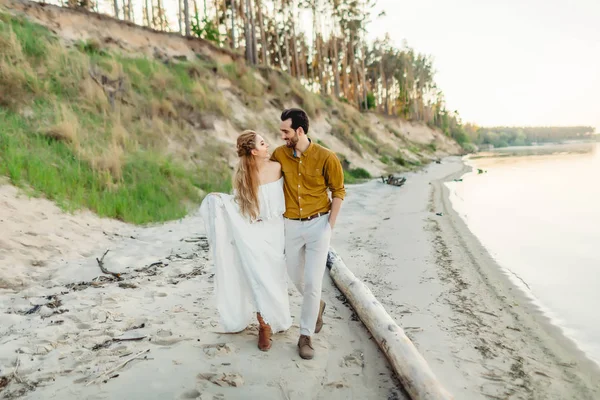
[274, 165]
[275, 169]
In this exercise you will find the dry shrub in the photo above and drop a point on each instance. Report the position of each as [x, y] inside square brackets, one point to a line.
[17, 80]
[199, 91]
[277, 86]
[66, 128]
[10, 47]
[15, 85]
[210, 100]
[111, 161]
[152, 133]
[93, 95]
[163, 108]
[120, 135]
[161, 81]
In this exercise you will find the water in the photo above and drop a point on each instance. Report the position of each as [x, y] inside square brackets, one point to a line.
[537, 211]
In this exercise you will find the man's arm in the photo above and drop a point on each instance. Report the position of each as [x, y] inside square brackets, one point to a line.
[334, 176]
[275, 155]
[336, 205]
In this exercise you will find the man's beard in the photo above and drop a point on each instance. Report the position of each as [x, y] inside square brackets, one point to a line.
[291, 143]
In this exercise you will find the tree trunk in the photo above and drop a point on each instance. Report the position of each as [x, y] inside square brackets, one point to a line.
[383, 82]
[247, 37]
[387, 98]
[364, 80]
[355, 96]
[116, 7]
[217, 22]
[294, 45]
[304, 63]
[277, 42]
[130, 11]
[263, 36]
[148, 14]
[322, 67]
[287, 39]
[288, 63]
[153, 14]
[253, 32]
[336, 70]
[180, 16]
[186, 18]
[233, 44]
[345, 83]
[161, 15]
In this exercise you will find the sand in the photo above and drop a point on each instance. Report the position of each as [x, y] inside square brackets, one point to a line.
[67, 333]
[35, 232]
[72, 331]
[480, 335]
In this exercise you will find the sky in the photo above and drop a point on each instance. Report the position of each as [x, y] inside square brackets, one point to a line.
[498, 62]
[506, 62]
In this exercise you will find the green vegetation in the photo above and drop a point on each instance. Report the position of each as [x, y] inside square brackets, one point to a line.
[64, 137]
[321, 143]
[526, 136]
[470, 136]
[131, 137]
[356, 175]
[205, 28]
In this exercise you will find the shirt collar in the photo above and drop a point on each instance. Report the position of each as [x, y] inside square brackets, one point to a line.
[308, 149]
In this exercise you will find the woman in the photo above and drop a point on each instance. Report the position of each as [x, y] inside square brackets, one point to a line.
[246, 236]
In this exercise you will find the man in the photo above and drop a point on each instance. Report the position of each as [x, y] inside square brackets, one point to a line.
[308, 170]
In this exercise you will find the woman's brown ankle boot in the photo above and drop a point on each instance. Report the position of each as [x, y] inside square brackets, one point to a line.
[264, 334]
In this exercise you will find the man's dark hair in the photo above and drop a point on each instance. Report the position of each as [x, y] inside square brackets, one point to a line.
[298, 117]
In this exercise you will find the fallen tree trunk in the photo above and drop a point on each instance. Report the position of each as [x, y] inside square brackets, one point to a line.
[410, 367]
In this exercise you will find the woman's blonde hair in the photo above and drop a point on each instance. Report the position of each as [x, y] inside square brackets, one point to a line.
[245, 180]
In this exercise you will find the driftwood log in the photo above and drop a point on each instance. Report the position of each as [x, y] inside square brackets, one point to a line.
[392, 180]
[410, 367]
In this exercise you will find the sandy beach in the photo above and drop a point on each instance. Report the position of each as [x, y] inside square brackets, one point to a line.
[67, 329]
[481, 336]
[149, 330]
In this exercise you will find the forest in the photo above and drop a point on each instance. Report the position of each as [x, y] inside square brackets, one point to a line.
[322, 43]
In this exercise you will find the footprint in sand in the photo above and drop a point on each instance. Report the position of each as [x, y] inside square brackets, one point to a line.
[164, 337]
[222, 379]
[219, 349]
[190, 394]
[356, 359]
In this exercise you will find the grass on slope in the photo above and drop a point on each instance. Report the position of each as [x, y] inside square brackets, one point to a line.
[61, 137]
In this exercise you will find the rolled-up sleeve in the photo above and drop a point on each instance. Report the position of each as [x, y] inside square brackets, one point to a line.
[274, 156]
[334, 177]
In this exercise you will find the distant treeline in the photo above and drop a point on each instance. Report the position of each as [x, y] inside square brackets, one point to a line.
[504, 136]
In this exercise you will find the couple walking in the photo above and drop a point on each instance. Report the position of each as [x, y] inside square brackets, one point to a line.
[279, 217]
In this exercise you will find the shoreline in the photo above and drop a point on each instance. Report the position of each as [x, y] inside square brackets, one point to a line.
[539, 314]
[531, 312]
[477, 330]
[479, 333]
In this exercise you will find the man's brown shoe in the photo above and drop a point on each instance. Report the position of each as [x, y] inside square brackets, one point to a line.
[319, 324]
[264, 334]
[305, 348]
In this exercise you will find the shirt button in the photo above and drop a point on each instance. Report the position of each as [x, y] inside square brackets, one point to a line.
[298, 185]
[300, 209]
[300, 162]
[299, 174]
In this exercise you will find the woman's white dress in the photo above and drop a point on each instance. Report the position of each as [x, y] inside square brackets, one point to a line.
[249, 260]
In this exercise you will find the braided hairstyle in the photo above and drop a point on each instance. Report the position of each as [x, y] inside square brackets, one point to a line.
[245, 179]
